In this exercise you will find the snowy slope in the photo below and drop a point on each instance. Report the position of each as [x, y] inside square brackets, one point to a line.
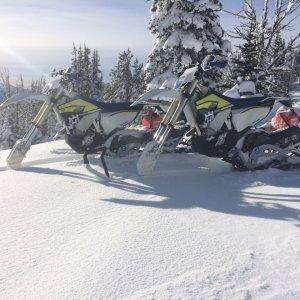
[195, 230]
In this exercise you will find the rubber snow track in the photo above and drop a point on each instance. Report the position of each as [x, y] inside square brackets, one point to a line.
[193, 230]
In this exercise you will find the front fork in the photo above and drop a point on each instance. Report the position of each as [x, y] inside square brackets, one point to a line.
[23, 145]
[152, 151]
[170, 119]
[173, 114]
[168, 122]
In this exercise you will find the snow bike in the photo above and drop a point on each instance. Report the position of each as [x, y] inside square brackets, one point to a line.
[224, 127]
[88, 126]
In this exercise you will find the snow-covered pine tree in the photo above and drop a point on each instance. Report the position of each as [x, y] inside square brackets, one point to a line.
[263, 53]
[7, 137]
[80, 67]
[282, 70]
[86, 73]
[74, 84]
[87, 78]
[9, 126]
[245, 62]
[38, 84]
[20, 109]
[278, 46]
[6, 82]
[138, 79]
[20, 84]
[8, 113]
[78, 73]
[186, 31]
[296, 61]
[96, 77]
[16, 118]
[120, 87]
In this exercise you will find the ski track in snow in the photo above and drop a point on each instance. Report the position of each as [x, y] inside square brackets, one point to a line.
[194, 229]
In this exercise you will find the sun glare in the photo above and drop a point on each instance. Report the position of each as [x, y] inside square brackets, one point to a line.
[21, 60]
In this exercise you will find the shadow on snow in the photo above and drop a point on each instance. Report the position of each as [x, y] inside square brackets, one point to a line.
[210, 185]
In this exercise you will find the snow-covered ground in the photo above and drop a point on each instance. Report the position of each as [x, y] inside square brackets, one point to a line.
[195, 230]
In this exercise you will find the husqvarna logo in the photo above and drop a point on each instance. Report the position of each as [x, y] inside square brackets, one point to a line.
[73, 121]
[209, 117]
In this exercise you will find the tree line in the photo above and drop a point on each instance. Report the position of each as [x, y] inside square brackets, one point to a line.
[126, 83]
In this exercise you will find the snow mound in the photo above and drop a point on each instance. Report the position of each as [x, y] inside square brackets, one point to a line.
[193, 230]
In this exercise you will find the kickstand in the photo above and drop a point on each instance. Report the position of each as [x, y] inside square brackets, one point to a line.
[85, 159]
[102, 157]
[103, 153]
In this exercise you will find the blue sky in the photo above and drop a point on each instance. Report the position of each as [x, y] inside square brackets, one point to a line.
[36, 35]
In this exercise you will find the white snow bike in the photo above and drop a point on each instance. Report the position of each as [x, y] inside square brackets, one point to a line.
[88, 126]
[223, 127]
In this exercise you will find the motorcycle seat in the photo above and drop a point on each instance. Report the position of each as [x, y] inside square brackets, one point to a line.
[248, 102]
[109, 107]
[115, 107]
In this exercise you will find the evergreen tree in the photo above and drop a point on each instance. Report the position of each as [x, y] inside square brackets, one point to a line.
[120, 87]
[16, 118]
[20, 109]
[38, 84]
[7, 137]
[20, 84]
[277, 48]
[86, 75]
[75, 83]
[186, 32]
[138, 79]
[9, 113]
[78, 74]
[96, 77]
[80, 63]
[263, 54]
[296, 61]
[282, 71]
[246, 61]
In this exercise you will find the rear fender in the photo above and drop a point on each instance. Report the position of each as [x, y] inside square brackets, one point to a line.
[249, 117]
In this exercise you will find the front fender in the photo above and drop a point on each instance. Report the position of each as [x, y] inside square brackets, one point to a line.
[23, 97]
